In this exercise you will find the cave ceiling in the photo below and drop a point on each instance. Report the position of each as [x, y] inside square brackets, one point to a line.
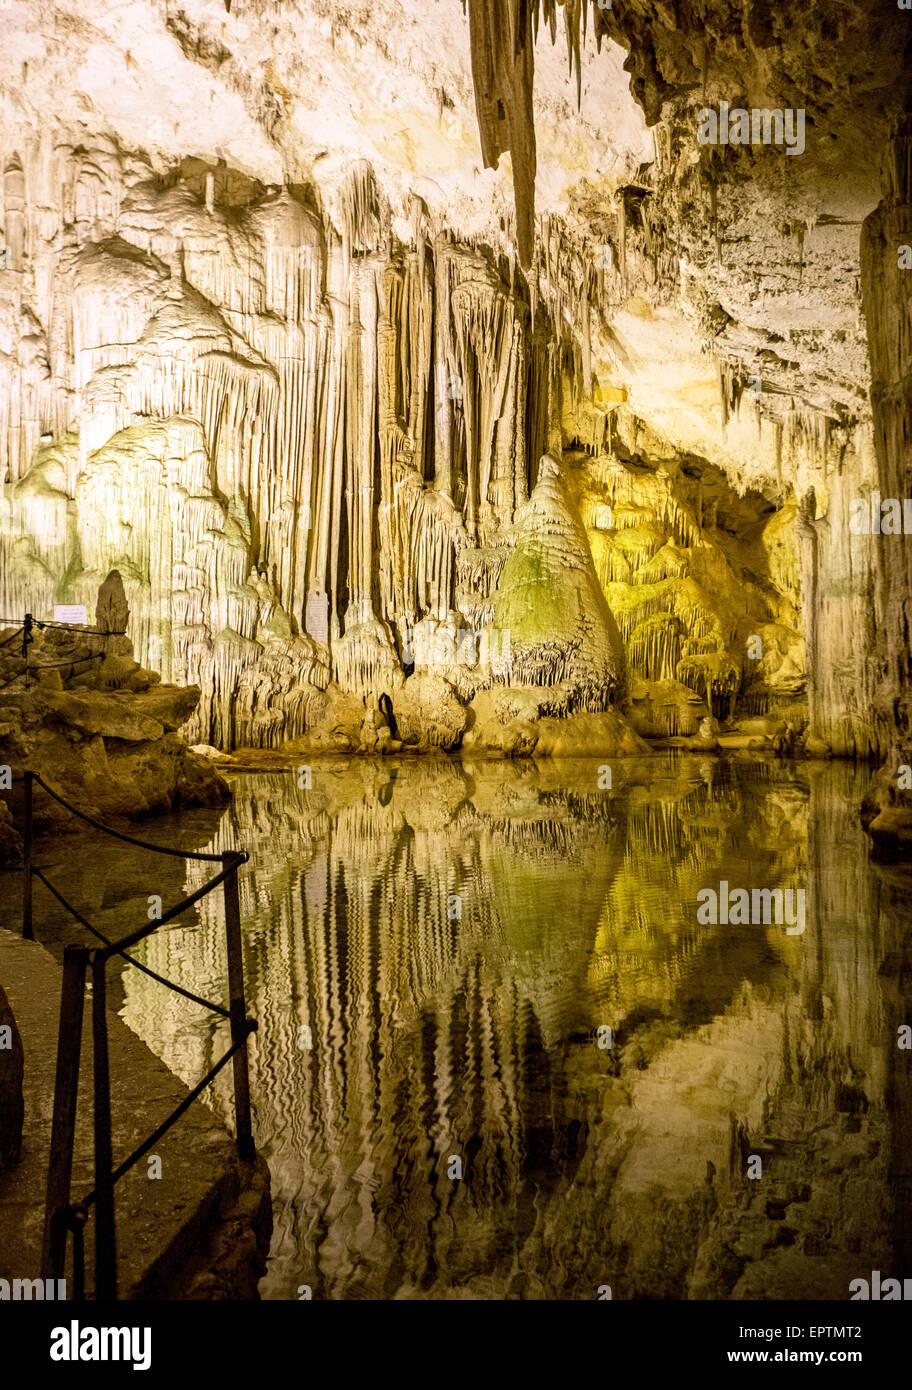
[751, 255]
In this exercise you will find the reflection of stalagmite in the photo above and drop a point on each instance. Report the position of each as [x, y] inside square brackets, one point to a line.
[395, 1034]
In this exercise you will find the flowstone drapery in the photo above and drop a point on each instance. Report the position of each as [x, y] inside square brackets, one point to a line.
[285, 435]
[309, 443]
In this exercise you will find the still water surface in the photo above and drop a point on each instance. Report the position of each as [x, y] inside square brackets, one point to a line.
[436, 953]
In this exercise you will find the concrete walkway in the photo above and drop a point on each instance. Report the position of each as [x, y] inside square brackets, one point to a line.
[168, 1229]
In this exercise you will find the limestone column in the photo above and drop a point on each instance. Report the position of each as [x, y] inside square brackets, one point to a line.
[887, 295]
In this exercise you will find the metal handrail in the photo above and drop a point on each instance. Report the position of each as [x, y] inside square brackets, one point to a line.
[115, 950]
[63, 1216]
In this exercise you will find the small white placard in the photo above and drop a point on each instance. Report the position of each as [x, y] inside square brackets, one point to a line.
[70, 613]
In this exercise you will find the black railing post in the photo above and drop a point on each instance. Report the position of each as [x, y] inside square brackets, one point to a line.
[66, 1089]
[77, 1226]
[27, 930]
[237, 1008]
[61, 1216]
[27, 640]
[105, 1234]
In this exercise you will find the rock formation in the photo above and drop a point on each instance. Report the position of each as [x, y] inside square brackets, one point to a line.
[97, 727]
[887, 232]
[549, 600]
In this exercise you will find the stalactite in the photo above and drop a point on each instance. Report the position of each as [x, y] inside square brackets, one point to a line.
[252, 387]
[502, 37]
[361, 216]
[502, 68]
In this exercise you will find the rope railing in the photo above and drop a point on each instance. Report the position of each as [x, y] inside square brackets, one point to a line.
[62, 1216]
[73, 1218]
[119, 835]
[148, 1144]
[30, 621]
[27, 624]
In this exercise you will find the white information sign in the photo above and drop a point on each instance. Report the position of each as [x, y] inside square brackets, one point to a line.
[70, 613]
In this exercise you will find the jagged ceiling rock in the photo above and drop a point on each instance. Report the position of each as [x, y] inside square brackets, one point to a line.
[846, 63]
[298, 91]
[748, 252]
[766, 244]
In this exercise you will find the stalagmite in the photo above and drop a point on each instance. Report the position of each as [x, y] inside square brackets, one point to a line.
[550, 602]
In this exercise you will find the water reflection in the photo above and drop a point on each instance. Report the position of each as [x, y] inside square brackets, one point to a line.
[431, 949]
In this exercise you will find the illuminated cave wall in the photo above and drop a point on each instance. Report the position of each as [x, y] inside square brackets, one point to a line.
[297, 442]
[300, 403]
[277, 431]
[705, 584]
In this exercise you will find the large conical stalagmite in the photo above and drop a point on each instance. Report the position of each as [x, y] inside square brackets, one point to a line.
[549, 601]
